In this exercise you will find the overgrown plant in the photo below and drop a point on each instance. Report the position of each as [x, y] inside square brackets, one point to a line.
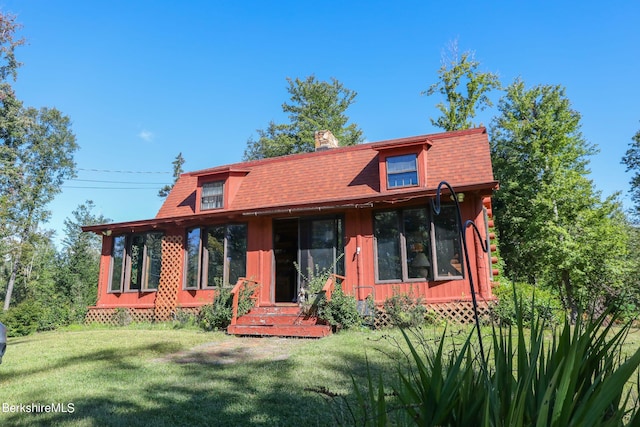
[404, 309]
[545, 304]
[315, 278]
[561, 377]
[216, 316]
[312, 281]
[341, 311]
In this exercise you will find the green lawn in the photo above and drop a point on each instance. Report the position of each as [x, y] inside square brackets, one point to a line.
[122, 376]
[145, 375]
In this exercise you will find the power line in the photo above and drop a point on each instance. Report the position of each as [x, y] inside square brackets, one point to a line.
[120, 171]
[108, 188]
[118, 182]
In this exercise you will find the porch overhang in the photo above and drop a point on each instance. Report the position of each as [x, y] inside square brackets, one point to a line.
[386, 197]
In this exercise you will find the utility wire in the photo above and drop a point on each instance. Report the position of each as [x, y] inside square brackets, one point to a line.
[118, 182]
[108, 188]
[119, 171]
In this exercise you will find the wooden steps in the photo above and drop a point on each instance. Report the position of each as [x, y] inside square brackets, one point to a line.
[279, 320]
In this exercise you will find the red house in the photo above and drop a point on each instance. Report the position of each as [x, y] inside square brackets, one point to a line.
[363, 210]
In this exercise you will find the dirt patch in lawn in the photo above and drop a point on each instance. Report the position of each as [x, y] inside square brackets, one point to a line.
[237, 349]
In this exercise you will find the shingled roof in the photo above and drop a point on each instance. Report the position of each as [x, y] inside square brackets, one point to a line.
[336, 177]
[340, 175]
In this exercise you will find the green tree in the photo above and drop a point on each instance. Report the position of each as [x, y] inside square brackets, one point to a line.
[36, 155]
[459, 107]
[41, 159]
[177, 171]
[553, 227]
[79, 260]
[632, 160]
[10, 120]
[314, 105]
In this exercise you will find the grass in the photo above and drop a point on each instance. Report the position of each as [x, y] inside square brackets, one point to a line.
[122, 377]
[125, 377]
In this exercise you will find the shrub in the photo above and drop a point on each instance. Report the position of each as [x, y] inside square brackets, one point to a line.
[216, 316]
[404, 310]
[341, 311]
[213, 317]
[22, 319]
[121, 316]
[537, 303]
[54, 315]
[184, 319]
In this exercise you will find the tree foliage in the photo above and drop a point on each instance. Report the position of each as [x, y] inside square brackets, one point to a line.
[36, 156]
[632, 160]
[456, 74]
[314, 105]
[177, 171]
[554, 229]
[79, 261]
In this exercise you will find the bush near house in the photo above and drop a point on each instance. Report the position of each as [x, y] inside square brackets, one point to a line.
[217, 316]
[539, 303]
[405, 310]
[341, 312]
[32, 316]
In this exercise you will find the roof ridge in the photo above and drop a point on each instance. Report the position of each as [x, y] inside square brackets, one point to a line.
[341, 149]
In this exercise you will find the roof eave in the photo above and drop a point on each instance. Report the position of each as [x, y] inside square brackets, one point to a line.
[395, 196]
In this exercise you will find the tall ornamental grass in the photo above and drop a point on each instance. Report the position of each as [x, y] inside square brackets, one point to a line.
[572, 375]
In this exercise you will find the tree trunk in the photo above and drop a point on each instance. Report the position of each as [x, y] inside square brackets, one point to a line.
[572, 307]
[12, 280]
[16, 268]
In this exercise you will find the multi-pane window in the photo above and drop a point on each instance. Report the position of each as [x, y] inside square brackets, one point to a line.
[412, 246]
[216, 256]
[212, 195]
[402, 171]
[321, 246]
[135, 262]
[447, 243]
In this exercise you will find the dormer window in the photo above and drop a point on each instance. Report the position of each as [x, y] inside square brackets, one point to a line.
[402, 171]
[212, 195]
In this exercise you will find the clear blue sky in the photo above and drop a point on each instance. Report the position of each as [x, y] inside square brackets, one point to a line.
[144, 80]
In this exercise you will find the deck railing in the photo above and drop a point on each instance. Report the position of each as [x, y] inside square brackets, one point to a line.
[330, 285]
[236, 291]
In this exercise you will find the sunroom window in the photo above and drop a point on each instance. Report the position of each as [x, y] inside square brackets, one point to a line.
[402, 171]
[447, 243]
[216, 256]
[136, 260]
[413, 245]
[212, 195]
[403, 245]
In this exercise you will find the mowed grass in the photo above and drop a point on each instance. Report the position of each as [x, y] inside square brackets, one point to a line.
[125, 377]
[142, 375]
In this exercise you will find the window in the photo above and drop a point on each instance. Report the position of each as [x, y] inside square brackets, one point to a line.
[212, 195]
[136, 260]
[402, 171]
[406, 241]
[447, 243]
[216, 256]
[321, 246]
[117, 263]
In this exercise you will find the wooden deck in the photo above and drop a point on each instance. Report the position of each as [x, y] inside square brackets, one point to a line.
[283, 320]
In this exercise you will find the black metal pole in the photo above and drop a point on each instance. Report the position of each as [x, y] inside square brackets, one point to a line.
[462, 230]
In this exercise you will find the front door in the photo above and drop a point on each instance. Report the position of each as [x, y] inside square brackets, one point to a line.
[314, 244]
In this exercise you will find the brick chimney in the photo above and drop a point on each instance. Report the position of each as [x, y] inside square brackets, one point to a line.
[325, 140]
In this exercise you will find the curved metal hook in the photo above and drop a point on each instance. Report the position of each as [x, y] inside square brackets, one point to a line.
[436, 206]
[483, 242]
